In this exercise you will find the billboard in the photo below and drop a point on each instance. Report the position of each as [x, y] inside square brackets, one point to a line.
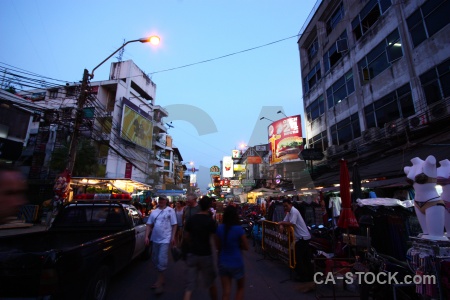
[136, 128]
[285, 139]
[236, 153]
[227, 166]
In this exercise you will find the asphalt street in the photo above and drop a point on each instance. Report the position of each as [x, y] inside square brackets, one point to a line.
[265, 279]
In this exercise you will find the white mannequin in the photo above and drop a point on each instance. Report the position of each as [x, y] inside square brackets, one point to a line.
[431, 216]
[443, 178]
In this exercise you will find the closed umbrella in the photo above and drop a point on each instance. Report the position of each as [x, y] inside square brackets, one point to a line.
[356, 179]
[347, 218]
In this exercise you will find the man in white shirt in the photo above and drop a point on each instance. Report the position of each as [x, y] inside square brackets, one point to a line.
[162, 224]
[302, 236]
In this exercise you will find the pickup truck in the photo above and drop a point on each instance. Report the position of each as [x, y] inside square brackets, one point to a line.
[88, 242]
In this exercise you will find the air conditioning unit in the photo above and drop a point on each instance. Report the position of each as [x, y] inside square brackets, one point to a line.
[392, 128]
[418, 121]
[438, 111]
[334, 150]
[371, 134]
[331, 150]
[347, 147]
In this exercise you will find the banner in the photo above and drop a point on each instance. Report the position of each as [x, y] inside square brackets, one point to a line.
[285, 139]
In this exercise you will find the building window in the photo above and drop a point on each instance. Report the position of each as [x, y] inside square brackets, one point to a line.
[345, 130]
[315, 109]
[335, 18]
[397, 104]
[313, 49]
[381, 57]
[368, 16]
[53, 94]
[312, 78]
[319, 141]
[343, 87]
[428, 19]
[334, 54]
[70, 91]
[436, 82]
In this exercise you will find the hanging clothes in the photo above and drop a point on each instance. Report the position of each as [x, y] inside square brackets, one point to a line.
[335, 205]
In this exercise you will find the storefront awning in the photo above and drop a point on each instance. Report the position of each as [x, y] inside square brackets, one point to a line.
[169, 192]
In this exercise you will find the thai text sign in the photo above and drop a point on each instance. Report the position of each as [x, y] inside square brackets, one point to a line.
[279, 244]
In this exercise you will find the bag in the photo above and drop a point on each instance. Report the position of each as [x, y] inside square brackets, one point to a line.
[177, 253]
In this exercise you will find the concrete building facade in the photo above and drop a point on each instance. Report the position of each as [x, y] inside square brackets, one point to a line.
[375, 75]
[122, 121]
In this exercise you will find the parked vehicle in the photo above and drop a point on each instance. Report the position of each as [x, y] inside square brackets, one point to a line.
[88, 242]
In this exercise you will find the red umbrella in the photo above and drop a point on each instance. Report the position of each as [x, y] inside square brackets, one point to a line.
[347, 218]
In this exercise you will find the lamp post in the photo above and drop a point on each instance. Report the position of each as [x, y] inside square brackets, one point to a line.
[280, 112]
[262, 118]
[82, 100]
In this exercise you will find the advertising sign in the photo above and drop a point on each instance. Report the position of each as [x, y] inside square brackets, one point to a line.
[236, 153]
[285, 139]
[239, 168]
[254, 160]
[214, 170]
[227, 166]
[261, 147]
[235, 182]
[136, 128]
[128, 170]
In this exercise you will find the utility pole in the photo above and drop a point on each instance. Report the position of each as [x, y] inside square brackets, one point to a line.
[78, 121]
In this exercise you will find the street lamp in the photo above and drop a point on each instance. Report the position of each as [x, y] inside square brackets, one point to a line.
[82, 100]
[266, 119]
[153, 39]
[280, 112]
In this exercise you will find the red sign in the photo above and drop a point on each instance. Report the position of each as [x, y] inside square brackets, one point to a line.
[128, 170]
[254, 160]
[285, 139]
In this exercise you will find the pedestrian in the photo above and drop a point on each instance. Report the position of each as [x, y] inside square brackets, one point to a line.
[179, 210]
[13, 187]
[199, 235]
[162, 225]
[191, 208]
[303, 266]
[230, 241]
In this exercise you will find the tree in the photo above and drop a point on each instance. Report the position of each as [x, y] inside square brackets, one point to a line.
[86, 163]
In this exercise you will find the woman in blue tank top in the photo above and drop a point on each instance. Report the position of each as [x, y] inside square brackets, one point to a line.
[231, 240]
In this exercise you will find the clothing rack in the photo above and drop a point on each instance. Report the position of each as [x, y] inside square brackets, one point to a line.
[427, 256]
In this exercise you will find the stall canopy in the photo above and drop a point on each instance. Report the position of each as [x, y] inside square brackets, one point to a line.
[266, 191]
[122, 184]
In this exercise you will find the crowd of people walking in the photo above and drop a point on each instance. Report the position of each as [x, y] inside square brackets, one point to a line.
[209, 250]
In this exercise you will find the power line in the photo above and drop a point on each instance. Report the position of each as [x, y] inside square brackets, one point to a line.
[223, 56]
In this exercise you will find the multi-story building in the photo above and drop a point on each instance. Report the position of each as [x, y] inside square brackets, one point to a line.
[121, 120]
[376, 83]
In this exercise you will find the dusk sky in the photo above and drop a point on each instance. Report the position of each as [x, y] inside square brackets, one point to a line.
[249, 68]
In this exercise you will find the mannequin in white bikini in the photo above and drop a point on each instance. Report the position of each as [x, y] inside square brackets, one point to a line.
[428, 204]
[443, 179]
